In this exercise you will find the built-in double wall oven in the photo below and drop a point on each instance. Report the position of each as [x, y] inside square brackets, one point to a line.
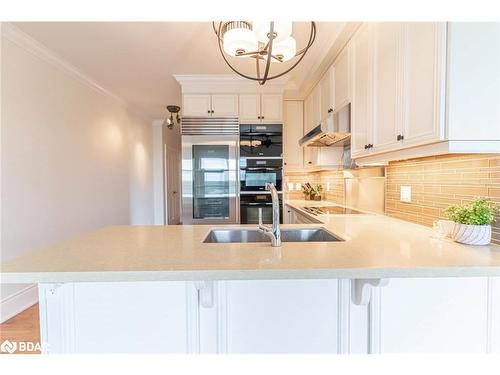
[261, 161]
[261, 140]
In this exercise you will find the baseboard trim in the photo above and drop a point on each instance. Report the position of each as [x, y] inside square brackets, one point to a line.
[18, 302]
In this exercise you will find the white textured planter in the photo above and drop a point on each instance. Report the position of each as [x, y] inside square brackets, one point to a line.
[472, 234]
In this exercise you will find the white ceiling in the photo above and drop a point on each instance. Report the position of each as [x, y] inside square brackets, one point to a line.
[137, 60]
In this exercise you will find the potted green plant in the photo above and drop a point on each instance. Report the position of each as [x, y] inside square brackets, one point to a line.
[473, 221]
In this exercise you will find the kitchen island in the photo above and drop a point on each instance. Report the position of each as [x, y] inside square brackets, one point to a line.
[387, 286]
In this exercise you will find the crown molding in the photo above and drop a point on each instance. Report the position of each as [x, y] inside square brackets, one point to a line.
[185, 78]
[31, 45]
[328, 57]
[226, 83]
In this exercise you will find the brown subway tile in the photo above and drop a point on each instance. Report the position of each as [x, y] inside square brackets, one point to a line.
[439, 181]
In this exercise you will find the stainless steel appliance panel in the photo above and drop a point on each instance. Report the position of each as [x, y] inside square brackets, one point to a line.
[255, 173]
[210, 179]
[261, 140]
[249, 208]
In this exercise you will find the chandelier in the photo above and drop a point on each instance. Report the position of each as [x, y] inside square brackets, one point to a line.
[266, 42]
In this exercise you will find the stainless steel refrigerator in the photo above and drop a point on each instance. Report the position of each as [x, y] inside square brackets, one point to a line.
[210, 170]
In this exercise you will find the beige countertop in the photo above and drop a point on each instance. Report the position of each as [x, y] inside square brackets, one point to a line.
[375, 246]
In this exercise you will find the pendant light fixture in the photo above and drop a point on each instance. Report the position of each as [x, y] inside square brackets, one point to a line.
[266, 42]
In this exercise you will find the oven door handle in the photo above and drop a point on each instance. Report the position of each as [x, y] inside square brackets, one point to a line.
[255, 204]
[261, 169]
[256, 134]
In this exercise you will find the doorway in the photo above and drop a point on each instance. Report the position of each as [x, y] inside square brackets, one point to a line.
[172, 175]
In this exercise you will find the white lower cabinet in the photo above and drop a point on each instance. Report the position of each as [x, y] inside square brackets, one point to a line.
[411, 315]
[279, 316]
[445, 315]
[127, 317]
[291, 216]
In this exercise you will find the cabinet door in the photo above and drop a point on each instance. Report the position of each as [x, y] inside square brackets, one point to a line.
[434, 315]
[271, 108]
[308, 114]
[474, 82]
[225, 105]
[326, 95]
[116, 317]
[249, 108]
[330, 156]
[361, 120]
[281, 316]
[387, 66]
[341, 78]
[424, 57]
[292, 132]
[196, 105]
[302, 219]
[316, 105]
[287, 215]
[311, 156]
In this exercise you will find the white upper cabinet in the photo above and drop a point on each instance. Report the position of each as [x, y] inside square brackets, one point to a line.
[196, 105]
[250, 107]
[308, 114]
[428, 88]
[474, 82]
[341, 79]
[225, 105]
[316, 105]
[422, 47]
[293, 125]
[203, 105]
[327, 92]
[266, 108]
[271, 107]
[361, 118]
[387, 69]
[397, 86]
[311, 157]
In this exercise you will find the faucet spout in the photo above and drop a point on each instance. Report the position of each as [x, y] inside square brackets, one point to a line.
[274, 231]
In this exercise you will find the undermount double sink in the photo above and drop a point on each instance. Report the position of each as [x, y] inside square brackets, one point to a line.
[238, 235]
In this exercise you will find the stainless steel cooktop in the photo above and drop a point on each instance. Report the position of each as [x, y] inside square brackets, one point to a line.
[331, 210]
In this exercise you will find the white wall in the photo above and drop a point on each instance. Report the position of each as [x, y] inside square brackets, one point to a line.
[73, 158]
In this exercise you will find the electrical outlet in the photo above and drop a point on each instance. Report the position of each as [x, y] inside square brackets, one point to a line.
[327, 186]
[298, 186]
[405, 194]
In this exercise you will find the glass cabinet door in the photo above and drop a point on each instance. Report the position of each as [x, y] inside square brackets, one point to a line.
[211, 190]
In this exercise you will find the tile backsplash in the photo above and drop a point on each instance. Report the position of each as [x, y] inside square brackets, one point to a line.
[332, 182]
[438, 181]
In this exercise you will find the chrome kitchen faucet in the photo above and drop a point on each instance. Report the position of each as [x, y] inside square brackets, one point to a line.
[274, 232]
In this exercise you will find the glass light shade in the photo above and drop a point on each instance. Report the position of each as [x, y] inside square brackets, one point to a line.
[238, 40]
[283, 30]
[286, 48]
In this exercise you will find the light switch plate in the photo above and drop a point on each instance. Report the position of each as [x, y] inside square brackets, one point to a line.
[405, 193]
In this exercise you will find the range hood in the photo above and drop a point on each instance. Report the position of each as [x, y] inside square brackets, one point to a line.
[334, 131]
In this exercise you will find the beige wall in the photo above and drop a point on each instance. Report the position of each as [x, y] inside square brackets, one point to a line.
[73, 158]
[440, 181]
